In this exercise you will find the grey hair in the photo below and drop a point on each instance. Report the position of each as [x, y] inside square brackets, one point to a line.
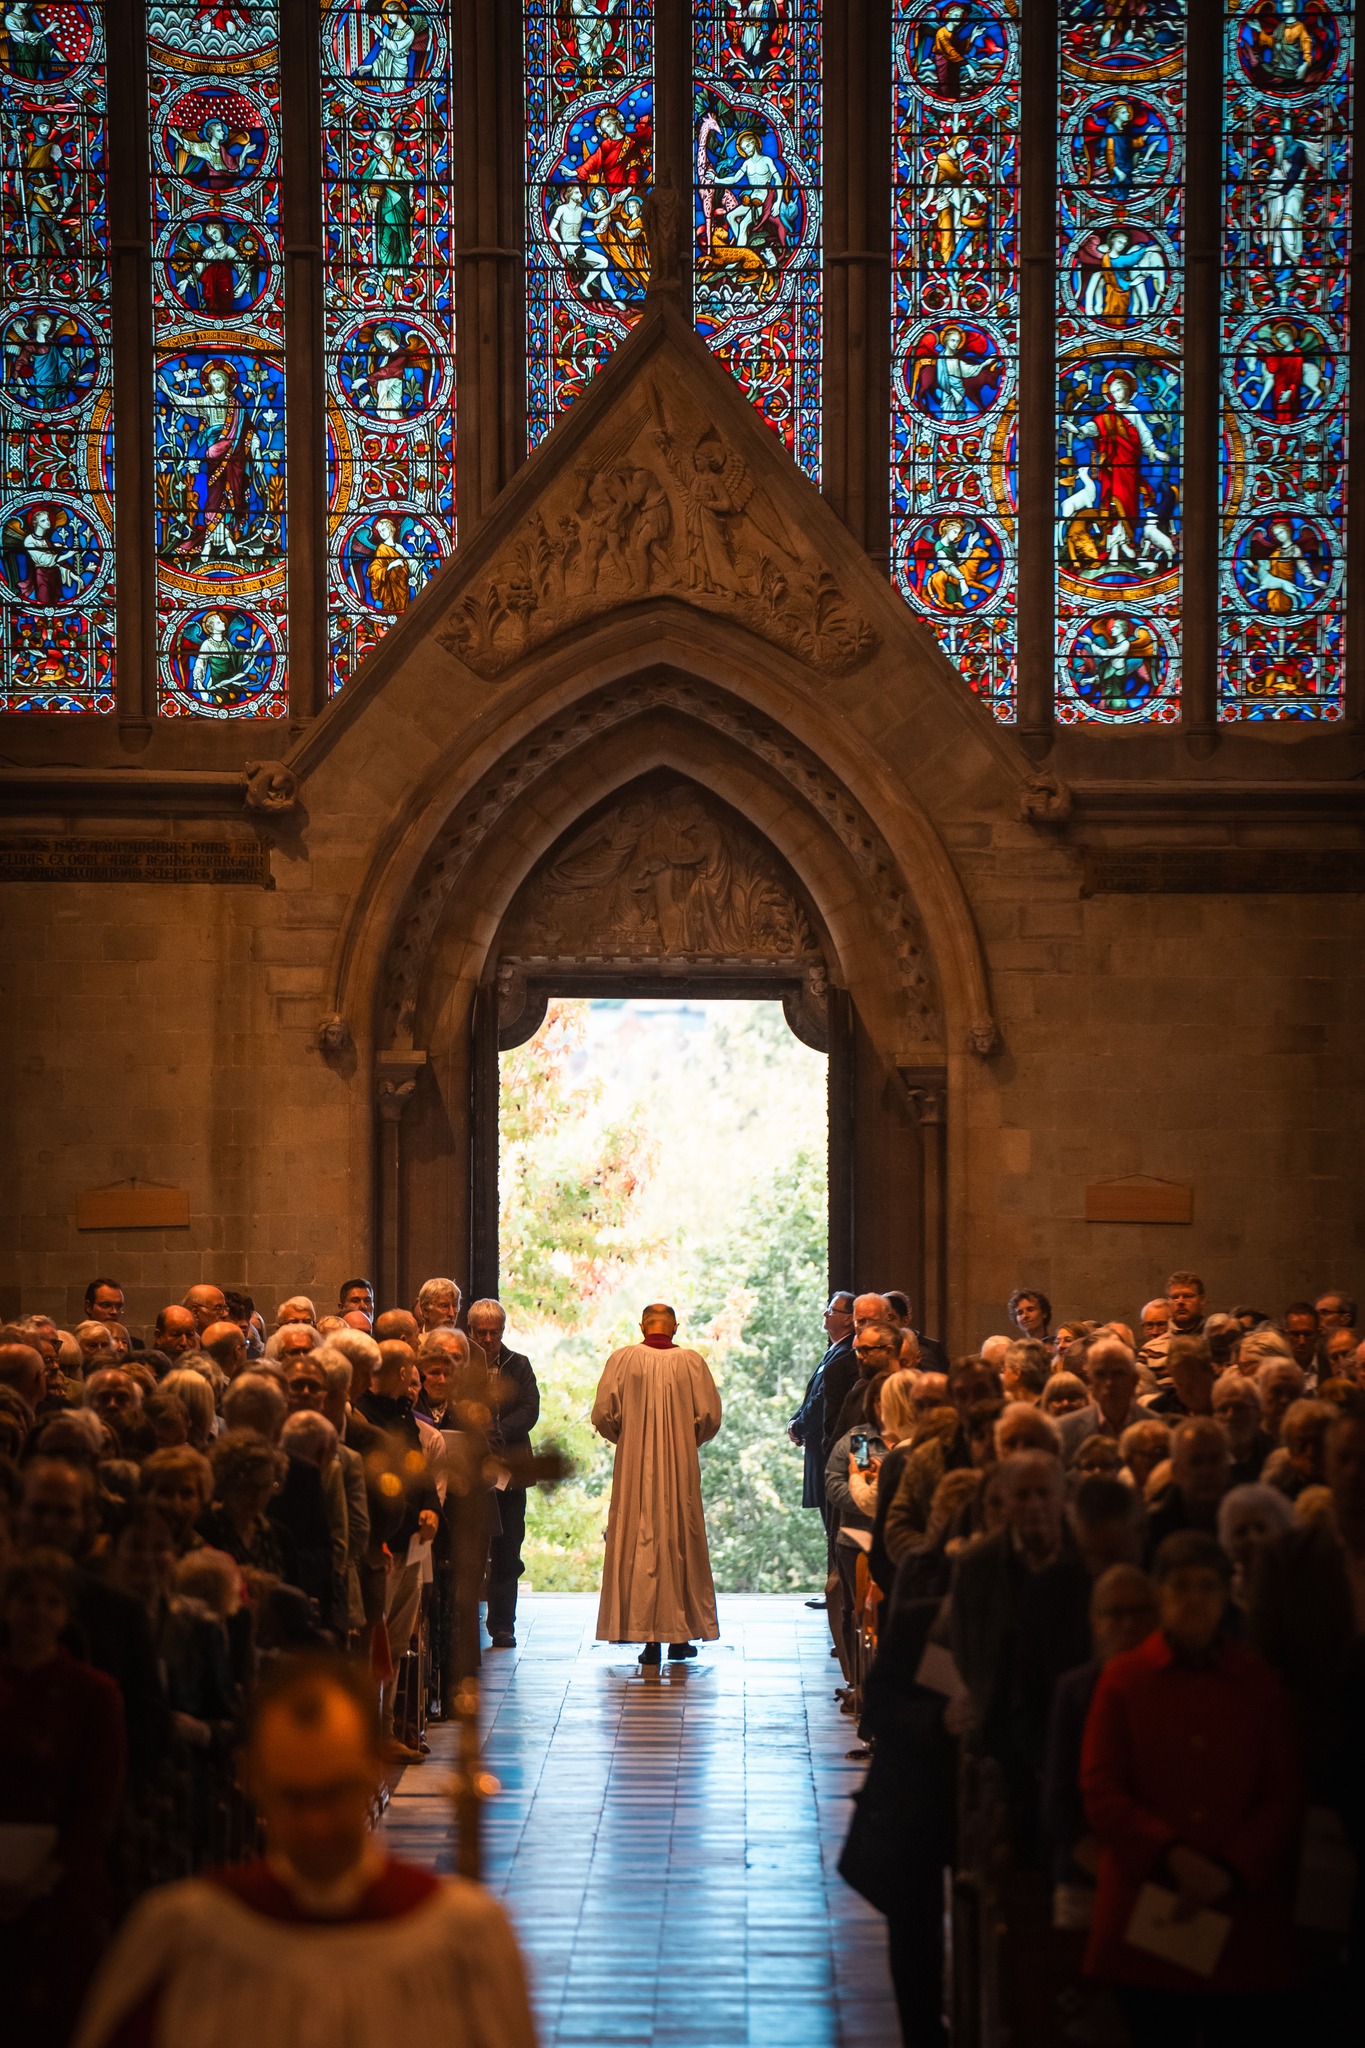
[1277, 1364]
[1260, 1347]
[309, 1434]
[1110, 1347]
[272, 1342]
[248, 1392]
[489, 1307]
[431, 1288]
[442, 1341]
[335, 1366]
[194, 1390]
[1269, 1503]
[355, 1347]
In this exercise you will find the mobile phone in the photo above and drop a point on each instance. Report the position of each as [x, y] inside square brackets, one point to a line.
[862, 1450]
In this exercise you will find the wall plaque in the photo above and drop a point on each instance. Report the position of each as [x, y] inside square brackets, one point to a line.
[60, 859]
[133, 1205]
[1139, 1198]
[1223, 870]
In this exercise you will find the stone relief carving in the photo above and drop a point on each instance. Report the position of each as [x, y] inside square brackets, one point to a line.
[468, 827]
[983, 1038]
[270, 786]
[686, 517]
[662, 875]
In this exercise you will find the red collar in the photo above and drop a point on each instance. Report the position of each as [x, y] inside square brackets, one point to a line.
[398, 1889]
[661, 1343]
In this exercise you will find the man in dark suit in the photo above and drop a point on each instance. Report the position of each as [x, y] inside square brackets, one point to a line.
[836, 1371]
[516, 1409]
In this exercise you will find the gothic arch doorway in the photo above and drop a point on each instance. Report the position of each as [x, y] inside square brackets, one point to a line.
[663, 854]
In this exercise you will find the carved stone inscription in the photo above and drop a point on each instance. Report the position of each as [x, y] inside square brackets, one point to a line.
[680, 514]
[135, 860]
[663, 874]
[1224, 870]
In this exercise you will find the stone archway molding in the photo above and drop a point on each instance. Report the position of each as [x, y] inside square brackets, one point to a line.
[467, 827]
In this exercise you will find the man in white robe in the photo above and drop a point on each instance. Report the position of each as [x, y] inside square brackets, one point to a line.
[657, 1402]
[325, 1941]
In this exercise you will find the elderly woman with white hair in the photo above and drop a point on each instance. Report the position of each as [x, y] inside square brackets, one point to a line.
[1249, 1517]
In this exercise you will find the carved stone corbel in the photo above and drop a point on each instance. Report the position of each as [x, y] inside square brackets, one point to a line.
[983, 1038]
[270, 786]
[1045, 799]
[334, 1036]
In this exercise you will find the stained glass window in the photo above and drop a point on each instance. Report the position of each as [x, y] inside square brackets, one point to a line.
[589, 165]
[1119, 327]
[218, 359]
[955, 330]
[56, 403]
[1287, 71]
[388, 314]
[757, 206]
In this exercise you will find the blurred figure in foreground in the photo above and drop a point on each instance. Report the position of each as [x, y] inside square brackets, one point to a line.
[325, 1937]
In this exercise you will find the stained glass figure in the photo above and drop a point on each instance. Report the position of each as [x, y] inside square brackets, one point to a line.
[589, 166]
[757, 214]
[56, 405]
[218, 435]
[955, 330]
[388, 313]
[1119, 339]
[1287, 90]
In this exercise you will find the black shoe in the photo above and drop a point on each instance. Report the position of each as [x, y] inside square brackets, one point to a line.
[651, 1654]
[677, 1651]
[818, 1605]
[503, 1639]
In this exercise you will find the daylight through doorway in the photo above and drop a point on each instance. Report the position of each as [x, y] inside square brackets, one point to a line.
[677, 1150]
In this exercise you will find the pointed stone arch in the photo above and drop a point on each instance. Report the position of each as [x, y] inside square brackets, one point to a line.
[659, 587]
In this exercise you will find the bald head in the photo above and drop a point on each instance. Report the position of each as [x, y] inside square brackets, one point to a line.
[21, 1367]
[225, 1344]
[658, 1320]
[313, 1766]
[207, 1304]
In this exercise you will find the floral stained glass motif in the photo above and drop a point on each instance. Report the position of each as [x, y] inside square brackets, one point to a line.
[1120, 334]
[388, 314]
[757, 213]
[955, 330]
[589, 70]
[218, 433]
[56, 404]
[1287, 86]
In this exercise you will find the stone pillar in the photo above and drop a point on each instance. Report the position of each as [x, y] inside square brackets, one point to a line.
[396, 1077]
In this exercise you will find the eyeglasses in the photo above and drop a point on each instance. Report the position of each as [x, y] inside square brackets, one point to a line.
[304, 1386]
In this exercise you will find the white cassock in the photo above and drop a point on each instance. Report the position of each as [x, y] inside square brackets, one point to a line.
[656, 1406]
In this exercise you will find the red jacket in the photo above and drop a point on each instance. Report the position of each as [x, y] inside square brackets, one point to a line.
[1206, 1758]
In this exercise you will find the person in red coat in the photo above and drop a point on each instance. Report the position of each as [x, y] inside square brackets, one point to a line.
[1190, 1782]
[61, 1780]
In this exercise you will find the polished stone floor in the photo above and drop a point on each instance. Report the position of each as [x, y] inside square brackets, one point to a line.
[666, 1846]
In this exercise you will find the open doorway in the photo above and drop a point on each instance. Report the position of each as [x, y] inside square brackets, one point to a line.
[676, 1149]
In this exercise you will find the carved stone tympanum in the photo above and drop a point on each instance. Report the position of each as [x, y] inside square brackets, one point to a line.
[665, 873]
[677, 512]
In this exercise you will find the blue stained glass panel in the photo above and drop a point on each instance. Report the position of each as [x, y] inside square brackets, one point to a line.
[1287, 112]
[218, 436]
[589, 72]
[1120, 362]
[955, 331]
[388, 314]
[757, 206]
[57, 626]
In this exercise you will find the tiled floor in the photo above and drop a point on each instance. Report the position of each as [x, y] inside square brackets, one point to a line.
[667, 1845]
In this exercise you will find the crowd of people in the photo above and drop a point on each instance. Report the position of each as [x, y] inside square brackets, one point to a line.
[1098, 1597]
[180, 1511]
